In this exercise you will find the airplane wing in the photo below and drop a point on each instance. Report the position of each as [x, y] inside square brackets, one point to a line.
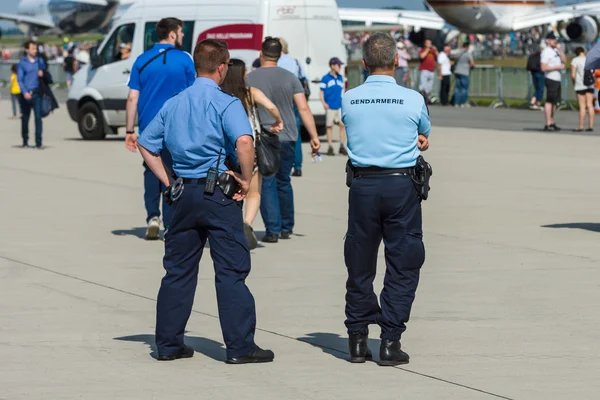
[417, 19]
[556, 14]
[23, 19]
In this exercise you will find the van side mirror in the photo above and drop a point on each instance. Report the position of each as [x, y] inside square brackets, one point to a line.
[95, 59]
[308, 60]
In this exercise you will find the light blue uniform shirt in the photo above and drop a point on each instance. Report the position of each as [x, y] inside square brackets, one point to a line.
[383, 121]
[195, 126]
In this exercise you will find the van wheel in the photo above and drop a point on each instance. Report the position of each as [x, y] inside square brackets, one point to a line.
[91, 122]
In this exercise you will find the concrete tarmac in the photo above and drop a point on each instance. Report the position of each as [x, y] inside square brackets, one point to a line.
[506, 307]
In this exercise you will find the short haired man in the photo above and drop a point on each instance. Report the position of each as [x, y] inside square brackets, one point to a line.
[462, 71]
[553, 61]
[428, 56]
[201, 127]
[387, 126]
[445, 72]
[284, 89]
[156, 76]
[332, 88]
[29, 70]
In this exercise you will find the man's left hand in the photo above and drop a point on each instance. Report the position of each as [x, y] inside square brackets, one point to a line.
[41, 73]
[423, 143]
[244, 186]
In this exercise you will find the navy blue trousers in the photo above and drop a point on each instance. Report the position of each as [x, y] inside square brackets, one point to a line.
[153, 189]
[198, 217]
[27, 106]
[388, 208]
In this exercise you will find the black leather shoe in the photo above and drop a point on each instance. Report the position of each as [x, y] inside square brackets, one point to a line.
[286, 235]
[359, 348]
[258, 355]
[187, 352]
[390, 354]
[297, 172]
[270, 239]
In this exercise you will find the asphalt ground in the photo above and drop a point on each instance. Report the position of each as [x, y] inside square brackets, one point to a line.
[506, 307]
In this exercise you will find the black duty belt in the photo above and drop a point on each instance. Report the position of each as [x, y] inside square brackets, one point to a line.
[194, 181]
[372, 171]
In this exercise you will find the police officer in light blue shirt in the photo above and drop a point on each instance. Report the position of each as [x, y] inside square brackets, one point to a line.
[157, 75]
[387, 127]
[201, 127]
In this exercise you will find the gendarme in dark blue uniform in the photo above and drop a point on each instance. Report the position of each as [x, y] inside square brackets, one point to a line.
[195, 126]
[383, 121]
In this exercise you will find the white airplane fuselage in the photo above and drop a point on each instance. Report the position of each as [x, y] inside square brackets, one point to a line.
[489, 16]
[70, 16]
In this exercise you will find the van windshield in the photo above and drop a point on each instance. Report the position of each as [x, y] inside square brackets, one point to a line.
[151, 38]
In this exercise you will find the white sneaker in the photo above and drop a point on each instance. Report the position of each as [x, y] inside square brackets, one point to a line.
[153, 229]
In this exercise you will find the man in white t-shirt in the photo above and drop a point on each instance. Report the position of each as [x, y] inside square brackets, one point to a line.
[445, 71]
[553, 61]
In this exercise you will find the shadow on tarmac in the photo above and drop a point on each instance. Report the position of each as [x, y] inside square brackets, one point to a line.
[137, 232]
[332, 344]
[209, 348]
[587, 226]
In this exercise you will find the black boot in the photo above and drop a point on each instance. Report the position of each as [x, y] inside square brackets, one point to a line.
[390, 353]
[359, 348]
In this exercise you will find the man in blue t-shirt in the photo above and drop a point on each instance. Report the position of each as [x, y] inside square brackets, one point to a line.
[157, 75]
[332, 87]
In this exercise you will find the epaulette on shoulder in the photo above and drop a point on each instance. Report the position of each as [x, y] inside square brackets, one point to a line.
[227, 93]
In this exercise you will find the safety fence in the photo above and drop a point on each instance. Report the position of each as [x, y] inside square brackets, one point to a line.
[55, 69]
[497, 84]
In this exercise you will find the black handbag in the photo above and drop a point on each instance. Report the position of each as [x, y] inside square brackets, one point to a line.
[267, 145]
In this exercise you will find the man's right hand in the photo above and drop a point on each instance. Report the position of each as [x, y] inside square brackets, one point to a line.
[315, 144]
[325, 106]
[27, 96]
[131, 142]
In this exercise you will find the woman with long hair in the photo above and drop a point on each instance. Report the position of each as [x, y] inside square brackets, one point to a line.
[584, 90]
[235, 84]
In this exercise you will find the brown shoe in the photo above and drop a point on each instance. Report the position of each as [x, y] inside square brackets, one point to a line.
[330, 152]
[343, 151]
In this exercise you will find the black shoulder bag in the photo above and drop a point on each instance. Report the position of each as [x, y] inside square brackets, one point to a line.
[267, 145]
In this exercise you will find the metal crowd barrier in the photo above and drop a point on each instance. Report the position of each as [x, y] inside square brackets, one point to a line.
[56, 69]
[486, 81]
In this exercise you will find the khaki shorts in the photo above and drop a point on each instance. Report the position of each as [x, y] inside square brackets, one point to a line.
[333, 116]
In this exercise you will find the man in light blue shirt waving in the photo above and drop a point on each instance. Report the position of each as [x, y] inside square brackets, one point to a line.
[387, 127]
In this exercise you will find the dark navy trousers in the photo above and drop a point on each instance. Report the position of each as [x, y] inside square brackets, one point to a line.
[198, 217]
[153, 189]
[388, 208]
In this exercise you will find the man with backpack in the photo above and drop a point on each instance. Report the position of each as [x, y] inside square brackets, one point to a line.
[157, 75]
[553, 60]
[534, 66]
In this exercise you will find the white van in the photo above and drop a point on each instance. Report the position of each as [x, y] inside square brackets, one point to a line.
[312, 28]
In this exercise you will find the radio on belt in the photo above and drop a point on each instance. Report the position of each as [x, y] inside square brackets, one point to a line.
[212, 177]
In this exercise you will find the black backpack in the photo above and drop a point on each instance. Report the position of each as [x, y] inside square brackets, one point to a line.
[304, 82]
[588, 77]
[534, 63]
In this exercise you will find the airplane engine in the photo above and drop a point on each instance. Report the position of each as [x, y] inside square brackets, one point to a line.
[582, 30]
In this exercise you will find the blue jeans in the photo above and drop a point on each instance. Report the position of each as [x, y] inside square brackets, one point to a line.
[298, 157]
[462, 89]
[538, 83]
[27, 106]
[15, 99]
[153, 189]
[277, 198]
